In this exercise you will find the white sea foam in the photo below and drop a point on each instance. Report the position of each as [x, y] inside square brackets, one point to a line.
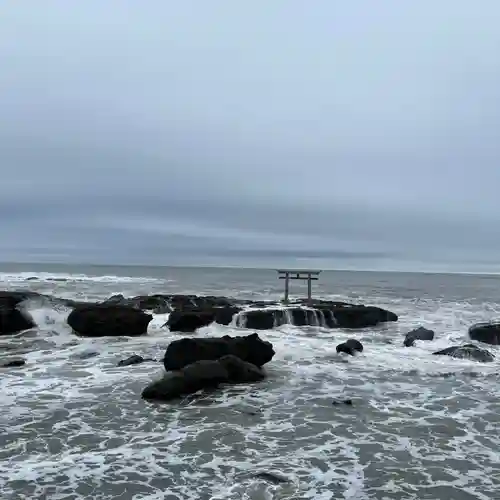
[420, 426]
[23, 277]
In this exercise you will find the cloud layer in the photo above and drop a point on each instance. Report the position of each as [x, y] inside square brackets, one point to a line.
[330, 134]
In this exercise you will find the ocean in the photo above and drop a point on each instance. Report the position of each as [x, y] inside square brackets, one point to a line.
[73, 424]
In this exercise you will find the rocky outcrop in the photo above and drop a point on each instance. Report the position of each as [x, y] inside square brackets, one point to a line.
[250, 348]
[489, 333]
[467, 351]
[188, 321]
[203, 374]
[12, 319]
[101, 320]
[162, 303]
[350, 346]
[419, 333]
[329, 315]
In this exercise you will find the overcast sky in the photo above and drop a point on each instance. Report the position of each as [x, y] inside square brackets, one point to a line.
[331, 134]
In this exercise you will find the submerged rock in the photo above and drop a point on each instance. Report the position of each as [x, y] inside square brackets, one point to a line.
[100, 320]
[350, 346]
[250, 348]
[419, 333]
[12, 319]
[489, 333]
[135, 359]
[12, 363]
[272, 477]
[467, 351]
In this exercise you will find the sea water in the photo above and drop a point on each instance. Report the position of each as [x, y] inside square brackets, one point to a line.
[73, 425]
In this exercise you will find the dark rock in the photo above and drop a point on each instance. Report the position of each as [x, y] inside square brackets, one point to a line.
[419, 333]
[272, 477]
[250, 348]
[86, 355]
[204, 374]
[12, 363]
[12, 319]
[159, 304]
[189, 320]
[263, 319]
[241, 371]
[362, 316]
[135, 359]
[100, 320]
[489, 333]
[350, 346]
[467, 351]
[343, 402]
[331, 315]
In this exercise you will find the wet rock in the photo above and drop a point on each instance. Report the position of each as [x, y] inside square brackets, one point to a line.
[489, 333]
[189, 320]
[419, 333]
[12, 363]
[343, 402]
[241, 371]
[272, 477]
[250, 348]
[157, 303]
[86, 355]
[12, 318]
[102, 320]
[362, 316]
[204, 374]
[331, 315]
[467, 351]
[350, 346]
[263, 319]
[135, 359]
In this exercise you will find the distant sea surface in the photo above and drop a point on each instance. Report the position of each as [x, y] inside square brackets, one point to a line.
[73, 425]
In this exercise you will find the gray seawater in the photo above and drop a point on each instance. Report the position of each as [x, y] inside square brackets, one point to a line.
[72, 424]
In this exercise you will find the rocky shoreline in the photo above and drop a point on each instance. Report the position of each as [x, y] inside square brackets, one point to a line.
[193, 363]
[119, 315]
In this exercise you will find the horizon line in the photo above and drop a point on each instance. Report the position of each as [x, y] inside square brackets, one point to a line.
[247, 267]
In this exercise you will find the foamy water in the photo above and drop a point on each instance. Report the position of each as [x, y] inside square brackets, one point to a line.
[419, 427]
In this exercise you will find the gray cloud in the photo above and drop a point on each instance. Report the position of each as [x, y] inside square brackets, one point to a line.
[333, 134]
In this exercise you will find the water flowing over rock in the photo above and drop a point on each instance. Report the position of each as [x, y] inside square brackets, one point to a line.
[101, 320]
[12, 319]
[489, 333]
[329, 316]
[467, 351]
[250, 348]
[419, 333]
